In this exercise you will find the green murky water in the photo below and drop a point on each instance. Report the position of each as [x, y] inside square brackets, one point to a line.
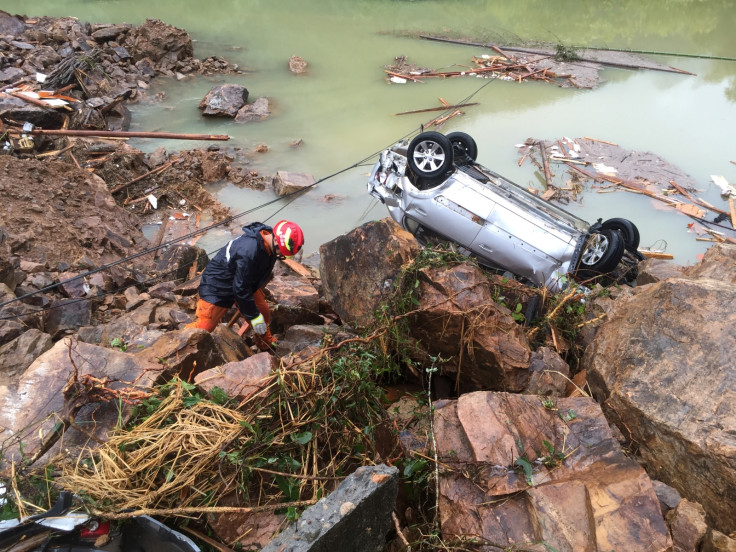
[344, 110]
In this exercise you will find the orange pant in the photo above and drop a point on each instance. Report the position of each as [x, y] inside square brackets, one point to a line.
[209, 316]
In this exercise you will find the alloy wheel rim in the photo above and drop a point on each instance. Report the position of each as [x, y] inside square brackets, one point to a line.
[597, 247]
[429, 156]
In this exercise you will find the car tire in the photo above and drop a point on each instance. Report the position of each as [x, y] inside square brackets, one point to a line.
[464, 144]
[601, 254]
[628, 231]
[430, 155]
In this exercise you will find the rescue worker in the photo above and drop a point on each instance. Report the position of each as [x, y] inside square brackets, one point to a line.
[239, 271]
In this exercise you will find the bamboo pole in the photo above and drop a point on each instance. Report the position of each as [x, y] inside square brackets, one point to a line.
[440, 108]
[130, 134]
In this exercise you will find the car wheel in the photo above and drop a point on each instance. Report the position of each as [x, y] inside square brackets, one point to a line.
[430, 154]
[628, 231]
[602, 253]
[463, 143]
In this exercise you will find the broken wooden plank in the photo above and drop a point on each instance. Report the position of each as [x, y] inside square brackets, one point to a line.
[685, 193]
[601, 141]
[297, 267]
[690, 210]
[656, 254]
[545, 164]
[29, 99]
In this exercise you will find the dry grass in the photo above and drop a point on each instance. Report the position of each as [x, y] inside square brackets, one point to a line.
[290, 443]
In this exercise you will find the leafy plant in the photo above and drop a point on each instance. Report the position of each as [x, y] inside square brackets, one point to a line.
[118, 343]
[526, 468]
[553, 458]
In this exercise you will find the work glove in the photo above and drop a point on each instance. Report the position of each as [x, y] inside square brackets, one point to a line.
[259, 325]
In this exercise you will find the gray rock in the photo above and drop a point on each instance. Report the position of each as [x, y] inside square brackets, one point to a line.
[12, 74]
[356, 517]
[11, 25]
[20, 353]
[285, 182]
[668, 496]
[224, 100]
[256, 111]
[67, 316]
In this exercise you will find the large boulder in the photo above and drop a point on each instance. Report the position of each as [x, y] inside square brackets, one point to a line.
[458, 319]
[240, 379]
[517, 471]
[224, 100]
[33, 410]
[297, 301]
[358, 269]
[287, 183]
[662, 365]
[184, 352]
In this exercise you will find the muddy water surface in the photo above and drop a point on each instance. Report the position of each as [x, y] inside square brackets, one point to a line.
[344, 110]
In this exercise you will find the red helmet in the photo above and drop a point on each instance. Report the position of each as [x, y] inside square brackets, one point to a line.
[289, 237]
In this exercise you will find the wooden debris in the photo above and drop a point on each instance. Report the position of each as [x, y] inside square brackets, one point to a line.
[130, 134]
[29, 99]
[297, 267]
[601, 141]
[690, 210]
[545, 164]
[649, 254]
[141, 177]
[444, 107]
[733, 212]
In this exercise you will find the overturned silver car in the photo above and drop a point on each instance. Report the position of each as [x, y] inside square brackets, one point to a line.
[434, 188]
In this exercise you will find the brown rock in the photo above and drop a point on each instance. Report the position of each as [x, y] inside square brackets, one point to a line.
[159, 42]
[458, 319]
[297, 65]
[241, 379]
[663, 367]
[715, 541]
[183, 352]
[719, 263]
[549, 374]
[257, 111]
[574, 489]
[358, 269]
[687, 525]
[252, 530]
[656, 270]
[27, 410]
[285, 182]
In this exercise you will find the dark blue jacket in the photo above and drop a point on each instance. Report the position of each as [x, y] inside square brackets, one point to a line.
[238, 270]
